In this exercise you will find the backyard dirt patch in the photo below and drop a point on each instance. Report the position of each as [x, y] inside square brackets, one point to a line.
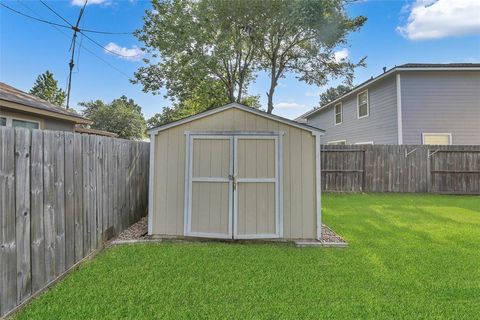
[138, 231]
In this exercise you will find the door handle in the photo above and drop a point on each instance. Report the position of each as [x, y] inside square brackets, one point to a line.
[233, 178]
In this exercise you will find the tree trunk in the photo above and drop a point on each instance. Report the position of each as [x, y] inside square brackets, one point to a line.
[273, 85]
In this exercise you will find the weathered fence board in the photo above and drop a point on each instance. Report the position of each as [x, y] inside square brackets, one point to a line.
[8, 252]
[22, 216]
[62, 195]
[407, 168]
[36, 209]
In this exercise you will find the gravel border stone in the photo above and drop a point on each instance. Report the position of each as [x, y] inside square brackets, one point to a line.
[138, 233]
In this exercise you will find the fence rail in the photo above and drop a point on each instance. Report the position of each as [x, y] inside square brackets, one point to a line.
[62, 195]
[405, 168]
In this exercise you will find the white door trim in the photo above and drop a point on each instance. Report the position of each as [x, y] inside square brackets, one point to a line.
[277, 136]
[277, 180]
[189, 179]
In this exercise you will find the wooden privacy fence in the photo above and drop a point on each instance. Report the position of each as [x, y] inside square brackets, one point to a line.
[62, 195]
[404, 168]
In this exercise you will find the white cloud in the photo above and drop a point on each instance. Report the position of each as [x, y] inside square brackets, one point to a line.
[434, 19]
[134, 53]
[289, 105]
[81, 3]
[341, 55]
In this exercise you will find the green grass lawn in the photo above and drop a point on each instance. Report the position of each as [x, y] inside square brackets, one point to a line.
[409, 256]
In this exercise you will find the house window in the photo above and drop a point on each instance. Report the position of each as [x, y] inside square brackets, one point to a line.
[338, 113]
[19, 123]
[366, 142]
[338, 142]
[24, 124]
[437, 138]
[362, 104]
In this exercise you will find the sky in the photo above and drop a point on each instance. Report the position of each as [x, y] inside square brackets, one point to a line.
[396, 32]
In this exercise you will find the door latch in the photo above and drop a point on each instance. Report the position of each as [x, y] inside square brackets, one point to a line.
[233, 178]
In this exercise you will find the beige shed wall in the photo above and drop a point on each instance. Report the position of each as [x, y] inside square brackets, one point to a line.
[299, 212]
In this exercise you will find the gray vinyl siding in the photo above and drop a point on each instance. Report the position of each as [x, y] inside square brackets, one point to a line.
[441, 102]
[380, 126]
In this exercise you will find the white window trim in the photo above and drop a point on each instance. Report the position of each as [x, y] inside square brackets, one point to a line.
[335, 114]
[368, 105]
[449, 135]
[336, 141]
[366, 142]
[10, 120]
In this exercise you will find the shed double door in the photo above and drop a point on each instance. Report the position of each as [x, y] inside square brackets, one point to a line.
[233, 186]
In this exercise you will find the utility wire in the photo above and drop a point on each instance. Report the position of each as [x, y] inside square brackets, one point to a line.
[28, 16]
[104, 32]
[57, 14]
[104, 48]
[54, 25]
[76, 29]
[83, 47]
[69, 26]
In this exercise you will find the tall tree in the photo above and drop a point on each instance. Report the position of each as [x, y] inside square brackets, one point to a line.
[333, 93]
[300, 37]
[207, 95]
[196, 41]
[46, 88]
[122, 116]
[230, 41]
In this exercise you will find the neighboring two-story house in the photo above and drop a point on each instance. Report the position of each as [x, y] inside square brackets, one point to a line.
[408, 104]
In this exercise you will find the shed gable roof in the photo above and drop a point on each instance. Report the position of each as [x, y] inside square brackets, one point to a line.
[239, 106]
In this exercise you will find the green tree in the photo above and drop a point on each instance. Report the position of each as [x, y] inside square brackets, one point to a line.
[207, 95]
[300, 37]
[333, 93]
[46, 88]
[230, 41]
[122, 116]
[197, 41]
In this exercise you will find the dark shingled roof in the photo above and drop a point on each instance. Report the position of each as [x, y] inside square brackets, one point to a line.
[11, 94]
[439, 65]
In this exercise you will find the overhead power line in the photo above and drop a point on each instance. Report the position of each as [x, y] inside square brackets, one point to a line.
[69, 26]
[58, 15]
[37, 19]
[83, 47]
[76, 29]
[105, 48]
[104, 32]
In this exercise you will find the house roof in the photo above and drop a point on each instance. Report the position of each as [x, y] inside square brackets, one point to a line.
[14, 98]
[95, 131]
[240, 107]
[403, 67]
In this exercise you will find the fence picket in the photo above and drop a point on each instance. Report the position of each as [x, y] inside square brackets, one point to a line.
[22, 214]
[36, 209]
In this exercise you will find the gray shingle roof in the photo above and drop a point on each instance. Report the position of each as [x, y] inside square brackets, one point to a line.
[11, 94]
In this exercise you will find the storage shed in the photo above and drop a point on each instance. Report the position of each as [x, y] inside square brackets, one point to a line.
[235, 173]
